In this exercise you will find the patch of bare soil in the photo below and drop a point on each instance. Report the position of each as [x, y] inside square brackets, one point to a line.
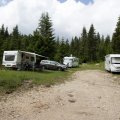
[91, 95]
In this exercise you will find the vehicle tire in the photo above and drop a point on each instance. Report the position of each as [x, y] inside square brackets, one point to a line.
[43, 67]
[110, 71]
[60, 69]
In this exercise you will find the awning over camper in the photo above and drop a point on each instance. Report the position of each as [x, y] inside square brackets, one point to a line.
[31, 53]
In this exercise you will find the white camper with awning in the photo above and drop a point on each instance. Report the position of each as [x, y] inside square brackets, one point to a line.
[21, 59]
[112, 62]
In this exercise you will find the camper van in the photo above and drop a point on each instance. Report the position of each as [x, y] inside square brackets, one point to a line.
[21, 60]
[71, 61]
[112, 62]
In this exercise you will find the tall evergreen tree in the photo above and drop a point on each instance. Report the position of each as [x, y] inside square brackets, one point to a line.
[63, 48]
[107, 45]
[5, 45]
[25, 41]
[75, 46]
[62, 51]
[2, 39]
[98, 40]
[30, 46]
[84, 45]
[116, 38]
[15, 39]
[57, 47]
[47, 36]
[6, 33]
[2, 35]
[38, 43]
[67, 47]
[92, 44]
[101, 49]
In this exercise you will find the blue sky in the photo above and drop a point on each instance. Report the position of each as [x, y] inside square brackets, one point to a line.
[4, 2]
[83, 1]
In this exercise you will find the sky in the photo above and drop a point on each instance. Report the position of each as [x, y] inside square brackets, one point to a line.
[68, 16]
[83, 1]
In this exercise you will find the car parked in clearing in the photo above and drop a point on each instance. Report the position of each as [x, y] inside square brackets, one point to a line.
[52, 65]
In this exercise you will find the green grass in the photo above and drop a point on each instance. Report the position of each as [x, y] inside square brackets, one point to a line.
[92, 66]
[89, 66]
[11, 80]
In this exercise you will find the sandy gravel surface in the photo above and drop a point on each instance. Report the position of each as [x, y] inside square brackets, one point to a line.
[90, 95]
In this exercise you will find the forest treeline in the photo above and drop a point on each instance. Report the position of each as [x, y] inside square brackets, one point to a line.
[90, 46]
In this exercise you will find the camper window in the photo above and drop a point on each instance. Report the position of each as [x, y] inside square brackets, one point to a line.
[115, 60]
[32, 59]
[27, 57]
[9, 57]
[68, 59]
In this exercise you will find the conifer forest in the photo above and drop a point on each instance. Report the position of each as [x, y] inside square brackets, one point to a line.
[90, 46]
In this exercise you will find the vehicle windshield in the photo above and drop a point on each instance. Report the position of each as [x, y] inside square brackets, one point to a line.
[9, 57]
[115, 60]
[67, 59]
[58, 63]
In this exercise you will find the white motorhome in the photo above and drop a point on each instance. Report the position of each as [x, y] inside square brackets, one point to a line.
[112, 62]
[20, 59]
[71, 61]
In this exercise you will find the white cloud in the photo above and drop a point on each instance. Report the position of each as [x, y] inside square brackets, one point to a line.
[68, 18]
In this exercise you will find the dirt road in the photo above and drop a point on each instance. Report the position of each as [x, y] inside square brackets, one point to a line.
[90, 95]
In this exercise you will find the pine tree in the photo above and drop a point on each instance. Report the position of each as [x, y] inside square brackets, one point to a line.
[57, 47]
[15, 39]
[67, 47]
[2, 40]
[6, 34]
[92, 44]
[62, 51]
[31, 44]
[2, 35]
[75, 46]
[98, 41]
[25, 41]
[38, 43]
[72, 46]
[107, 45]
[47, 36]
[116, 38]
[101, 49]
[84, 46]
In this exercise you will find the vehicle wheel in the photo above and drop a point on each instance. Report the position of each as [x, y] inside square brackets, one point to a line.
[110, 71]
[60, 69]
[43, 67]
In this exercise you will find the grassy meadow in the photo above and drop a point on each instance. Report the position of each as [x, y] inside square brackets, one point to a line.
[10, 80]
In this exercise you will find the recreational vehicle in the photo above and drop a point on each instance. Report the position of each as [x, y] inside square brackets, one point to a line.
[112, 62]
[71, 61]
[21, 60]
